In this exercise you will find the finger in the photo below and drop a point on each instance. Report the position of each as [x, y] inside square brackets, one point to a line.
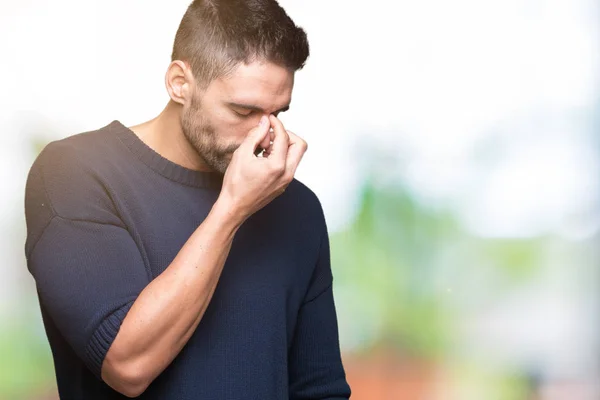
[295, 153]
[270, 145]
[256, 136]
[281, 141]
[266, 142]
[294, 138]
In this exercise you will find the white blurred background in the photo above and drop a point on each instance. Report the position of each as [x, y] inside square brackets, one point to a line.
[485, 113]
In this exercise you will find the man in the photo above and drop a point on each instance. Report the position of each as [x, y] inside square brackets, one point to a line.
[170, 260]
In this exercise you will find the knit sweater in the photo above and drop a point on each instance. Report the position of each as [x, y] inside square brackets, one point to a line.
[106, 214]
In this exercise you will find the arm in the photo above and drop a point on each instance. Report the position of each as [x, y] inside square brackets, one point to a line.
[91, 276]
[168, 310]
[92, 280]
[316, 370]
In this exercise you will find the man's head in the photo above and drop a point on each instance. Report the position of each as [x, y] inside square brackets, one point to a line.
[233, 61]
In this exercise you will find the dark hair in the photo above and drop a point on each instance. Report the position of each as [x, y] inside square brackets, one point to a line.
[214, 36]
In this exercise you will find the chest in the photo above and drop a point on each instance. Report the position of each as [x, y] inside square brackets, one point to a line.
[270, 252]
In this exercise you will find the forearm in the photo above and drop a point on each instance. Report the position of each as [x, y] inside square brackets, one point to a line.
[168, 310]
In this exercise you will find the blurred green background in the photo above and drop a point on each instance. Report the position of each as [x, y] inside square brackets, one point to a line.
[455, 149]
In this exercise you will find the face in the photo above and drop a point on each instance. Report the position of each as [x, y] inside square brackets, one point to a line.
[217, 120]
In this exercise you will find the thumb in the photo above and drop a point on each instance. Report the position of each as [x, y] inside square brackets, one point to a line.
[256, 135]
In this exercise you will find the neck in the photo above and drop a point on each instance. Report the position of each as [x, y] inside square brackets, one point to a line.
[165, 136]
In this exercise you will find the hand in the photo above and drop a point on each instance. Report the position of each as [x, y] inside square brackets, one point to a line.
[252, 182]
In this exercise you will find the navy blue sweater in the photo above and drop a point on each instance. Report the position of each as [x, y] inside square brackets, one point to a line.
[106, 214]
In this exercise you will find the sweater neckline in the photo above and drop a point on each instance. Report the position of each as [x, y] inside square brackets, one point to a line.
[163, 166]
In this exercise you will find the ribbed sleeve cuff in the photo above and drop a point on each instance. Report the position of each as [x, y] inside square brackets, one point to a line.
[103, 338]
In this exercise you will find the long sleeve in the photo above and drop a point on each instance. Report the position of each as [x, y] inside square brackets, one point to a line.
[315, 365]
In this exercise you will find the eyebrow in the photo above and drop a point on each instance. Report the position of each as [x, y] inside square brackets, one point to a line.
[255, 108]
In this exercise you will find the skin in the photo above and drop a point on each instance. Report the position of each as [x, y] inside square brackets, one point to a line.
[211, 130]
[200, 129]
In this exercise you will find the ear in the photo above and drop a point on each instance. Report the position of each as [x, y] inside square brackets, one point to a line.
[179, 81]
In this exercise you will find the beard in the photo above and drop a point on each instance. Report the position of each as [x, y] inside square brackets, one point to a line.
[201, 134]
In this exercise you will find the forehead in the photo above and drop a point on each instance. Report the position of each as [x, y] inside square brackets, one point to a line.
[262, 83]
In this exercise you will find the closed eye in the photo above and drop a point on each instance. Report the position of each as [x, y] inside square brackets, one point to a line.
[243, 115]
[250, 109]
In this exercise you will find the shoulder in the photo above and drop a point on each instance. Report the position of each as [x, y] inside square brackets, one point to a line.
[69, 175]
[305, 197]
[305, 206]
[88, 150]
